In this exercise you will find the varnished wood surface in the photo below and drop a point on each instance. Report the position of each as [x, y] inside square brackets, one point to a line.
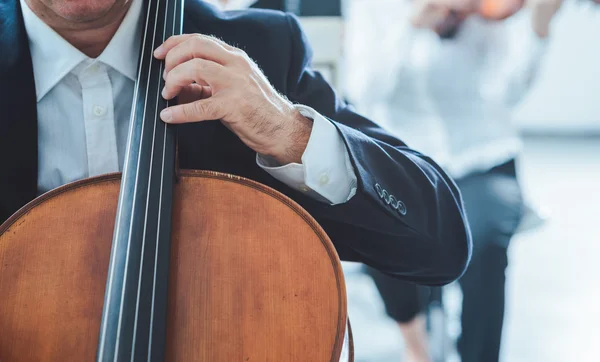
[253, 276]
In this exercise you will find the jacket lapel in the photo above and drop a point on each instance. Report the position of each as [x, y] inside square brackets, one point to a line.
[18, 115]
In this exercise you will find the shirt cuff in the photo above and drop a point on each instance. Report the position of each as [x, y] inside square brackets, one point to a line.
[326, 173]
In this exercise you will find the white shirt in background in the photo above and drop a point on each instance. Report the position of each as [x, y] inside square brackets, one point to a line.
[452, 99]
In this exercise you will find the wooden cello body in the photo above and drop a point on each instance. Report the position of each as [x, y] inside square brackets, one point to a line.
[161, 264]
[253, 277]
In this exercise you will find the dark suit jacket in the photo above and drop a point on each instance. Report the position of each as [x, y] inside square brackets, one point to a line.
[426, 242]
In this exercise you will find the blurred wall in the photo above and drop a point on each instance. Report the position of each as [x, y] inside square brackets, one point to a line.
[566, 96]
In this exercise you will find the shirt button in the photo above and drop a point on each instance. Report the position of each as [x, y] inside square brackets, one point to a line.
[324, 179]
[98, 111]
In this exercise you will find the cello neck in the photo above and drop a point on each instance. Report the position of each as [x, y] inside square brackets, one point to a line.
[133, 324]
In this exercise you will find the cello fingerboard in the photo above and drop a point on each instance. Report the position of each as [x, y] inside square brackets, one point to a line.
[134, 312]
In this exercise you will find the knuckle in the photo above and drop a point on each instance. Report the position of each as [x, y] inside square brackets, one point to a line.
[241, 55]
[171, 39]
[196, 40]
[243, 62]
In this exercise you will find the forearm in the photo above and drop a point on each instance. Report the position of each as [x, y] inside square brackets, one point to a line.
[323, 170]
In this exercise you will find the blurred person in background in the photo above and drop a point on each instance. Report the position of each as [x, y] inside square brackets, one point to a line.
[448, 88]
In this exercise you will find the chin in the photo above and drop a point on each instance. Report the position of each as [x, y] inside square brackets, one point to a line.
[84, 10]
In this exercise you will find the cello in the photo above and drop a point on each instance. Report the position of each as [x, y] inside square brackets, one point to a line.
[162, 264]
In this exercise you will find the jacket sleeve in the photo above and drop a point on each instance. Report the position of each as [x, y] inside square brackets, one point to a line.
[407, 218]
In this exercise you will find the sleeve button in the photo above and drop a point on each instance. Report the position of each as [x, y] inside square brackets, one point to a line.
[401, 208]
[379, 190]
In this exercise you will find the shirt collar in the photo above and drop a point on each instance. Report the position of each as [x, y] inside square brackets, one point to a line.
[53, 57]
[123, 51]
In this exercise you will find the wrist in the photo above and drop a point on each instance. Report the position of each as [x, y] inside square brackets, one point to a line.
[295, 138]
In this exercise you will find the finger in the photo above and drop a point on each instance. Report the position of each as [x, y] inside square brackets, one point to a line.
[201, 110]
[174, 40]
[199, 46]
[200, 71]
[193, 92]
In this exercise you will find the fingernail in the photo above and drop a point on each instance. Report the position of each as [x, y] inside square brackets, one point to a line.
[159, 51]
[165, 75]
[166, 115]
[164, 92]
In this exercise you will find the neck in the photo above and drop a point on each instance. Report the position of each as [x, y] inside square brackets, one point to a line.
[90, 42]
[90, 36]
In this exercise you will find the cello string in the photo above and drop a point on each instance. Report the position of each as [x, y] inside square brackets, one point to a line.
[148, 192]
[162, 178]
[135, 189]
[150, 176]
[111, 276]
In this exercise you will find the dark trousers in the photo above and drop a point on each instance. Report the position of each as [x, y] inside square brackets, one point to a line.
[483, 306]
[493, 203]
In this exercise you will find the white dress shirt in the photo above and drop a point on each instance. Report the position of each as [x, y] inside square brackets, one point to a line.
[450, 99]
[84, 109]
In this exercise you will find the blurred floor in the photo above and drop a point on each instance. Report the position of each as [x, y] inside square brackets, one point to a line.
[376, 337]
[553, 311]
[553, 291]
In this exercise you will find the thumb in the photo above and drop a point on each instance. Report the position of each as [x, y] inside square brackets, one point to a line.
[197, 111]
